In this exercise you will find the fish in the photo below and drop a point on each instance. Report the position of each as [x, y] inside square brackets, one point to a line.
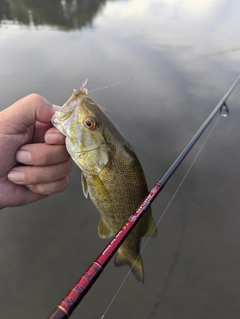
[112, 175]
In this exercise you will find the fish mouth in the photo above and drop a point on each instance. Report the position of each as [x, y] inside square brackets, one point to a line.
[58, 124]
[55, 120]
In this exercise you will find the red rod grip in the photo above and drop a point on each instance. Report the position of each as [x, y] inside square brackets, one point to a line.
[73, 298]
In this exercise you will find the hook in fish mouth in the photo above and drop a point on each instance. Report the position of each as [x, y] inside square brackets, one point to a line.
[82, 88]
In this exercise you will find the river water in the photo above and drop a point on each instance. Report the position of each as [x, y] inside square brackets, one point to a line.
[159, 67]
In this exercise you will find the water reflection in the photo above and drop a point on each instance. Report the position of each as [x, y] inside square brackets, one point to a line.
[63, 14]
[168, 63]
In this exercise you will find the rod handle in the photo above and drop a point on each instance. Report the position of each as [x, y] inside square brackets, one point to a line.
[76, 294]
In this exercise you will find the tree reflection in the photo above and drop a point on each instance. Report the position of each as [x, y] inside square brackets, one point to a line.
[63, 14]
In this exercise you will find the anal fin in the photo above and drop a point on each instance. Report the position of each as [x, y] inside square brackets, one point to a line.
[151, 229]
[103, 231]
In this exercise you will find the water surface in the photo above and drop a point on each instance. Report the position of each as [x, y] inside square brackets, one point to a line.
[159, 67]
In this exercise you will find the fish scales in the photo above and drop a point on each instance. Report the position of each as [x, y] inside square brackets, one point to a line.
[111, 173]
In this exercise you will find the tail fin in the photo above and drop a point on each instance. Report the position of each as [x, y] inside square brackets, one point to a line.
[136, 265]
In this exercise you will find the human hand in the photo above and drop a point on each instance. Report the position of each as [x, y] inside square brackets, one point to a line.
[34, 162]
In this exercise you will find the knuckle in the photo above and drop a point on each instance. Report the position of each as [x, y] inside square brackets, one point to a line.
[43, 189]
[63, 184]
[37, 188]
[36, 98]
[69, 166]
[66, 183]
[51, 188]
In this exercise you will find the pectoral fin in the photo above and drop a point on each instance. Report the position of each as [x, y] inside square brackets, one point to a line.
[103, 231]
[84, 185]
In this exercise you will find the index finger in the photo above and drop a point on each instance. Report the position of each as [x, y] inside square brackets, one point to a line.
[53, 136]
[25, 112]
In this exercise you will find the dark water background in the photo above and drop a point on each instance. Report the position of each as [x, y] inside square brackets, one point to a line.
[171, 61]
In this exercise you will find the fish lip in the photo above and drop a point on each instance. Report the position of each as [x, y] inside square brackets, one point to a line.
[55, 120]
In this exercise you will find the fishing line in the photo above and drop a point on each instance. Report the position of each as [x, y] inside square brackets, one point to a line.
[165, 210]
[201, 58]
[122, 82]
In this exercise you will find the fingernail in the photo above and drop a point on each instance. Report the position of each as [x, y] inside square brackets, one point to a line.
[56, 107]
[16, 176]
[23, 157]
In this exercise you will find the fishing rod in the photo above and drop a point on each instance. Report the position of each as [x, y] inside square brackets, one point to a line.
[80, 289]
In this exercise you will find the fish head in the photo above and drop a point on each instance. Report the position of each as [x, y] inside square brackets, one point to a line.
[82, 121]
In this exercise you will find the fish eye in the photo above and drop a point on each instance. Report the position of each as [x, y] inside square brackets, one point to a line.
[90, 123]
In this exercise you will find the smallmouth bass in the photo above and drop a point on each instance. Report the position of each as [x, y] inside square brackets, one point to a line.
[111, 173]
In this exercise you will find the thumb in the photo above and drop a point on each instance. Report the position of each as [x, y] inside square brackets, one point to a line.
[25, 112]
